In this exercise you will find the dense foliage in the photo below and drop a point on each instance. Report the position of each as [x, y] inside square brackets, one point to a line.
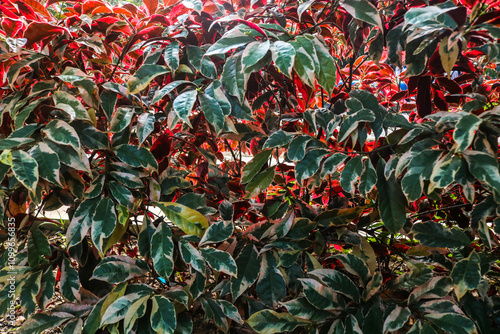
[313, 167]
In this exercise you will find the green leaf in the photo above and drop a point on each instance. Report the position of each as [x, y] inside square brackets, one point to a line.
[188, 220]
[90, 137]
[297, 147]
[212, 111]
[452, 323]
[136, 156]
[214, 312]
[391, 200]
[466, 274]
[444, 172]
[368, 178]
[283, 55]
[327, 76]
[12, 143]
[337, 281]
[377, 47]
[303, 7]
[71, 105]
[281, 228]
[248, 264]
[192, 256]
[108, 103]
[260, 182]
[278, 139]
[436, 287]
[269, 322]
[337, 217]
[308, 166]
[81, 222]
[363, 10]
[432, 234]
[118, 269]
[162, 250]
[197, 57]
[322, 297]
[184, 103]
[301, 308]
[121, 194]
[121, 119]
[46, 288]
[96, 186]
[171, 55]
[394, 120]
[184, 324]
[271, 287]
[159, 94]
[38, 246]
[350, 174]
[230, 310]
[253, 167]
[233, 78]
[420, 327]
[195, 5]
[230, 40]
[197, 282]
[62, 133]
[143, 76]
[16, 68]
[219, 260]
[73, 326]
[241, 110]
[25, 169]
[420, 274]
[304, 64]
[134, 311]
[69, 282]
[352, 121]
[217, 232]
[163, 318]
[39, 322]
[226, 210]
[397, 319]
[253, 53]
[119, 308]
[419, 169]
[484, 167]
[331, 164]
[104, 222]
[464, 131]
[354, 265]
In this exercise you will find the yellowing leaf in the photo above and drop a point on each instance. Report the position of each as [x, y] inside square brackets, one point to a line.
[448, 56]
[188, 220]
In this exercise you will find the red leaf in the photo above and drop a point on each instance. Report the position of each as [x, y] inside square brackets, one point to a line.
[11, 27]
[439, 100]
[424, 105]
[89, 6]
[37, 31]
[50, 2]
[159, 19]
[151, 5]
[37, 7]
[253, 26]
[450, 85]
[6, 12]
[26, 11]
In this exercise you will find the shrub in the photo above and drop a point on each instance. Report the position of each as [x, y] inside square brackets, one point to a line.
[325, 166]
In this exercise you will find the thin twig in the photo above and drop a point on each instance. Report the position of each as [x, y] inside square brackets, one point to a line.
[441, 209]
